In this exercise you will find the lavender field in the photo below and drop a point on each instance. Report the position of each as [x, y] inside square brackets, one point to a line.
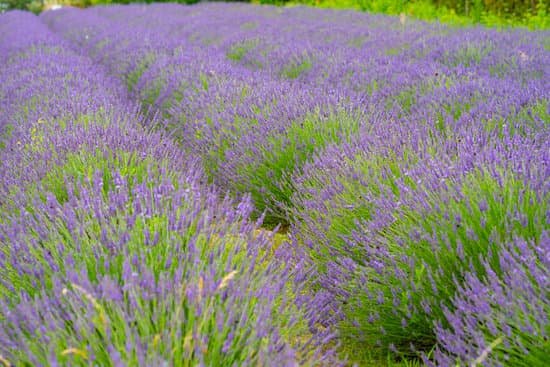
[238, 185]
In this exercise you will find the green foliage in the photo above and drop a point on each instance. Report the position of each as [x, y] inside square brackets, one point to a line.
[82, 166]
[296, 68]
[36, 6]
[141, 67]
[526, 13]
[240, 53]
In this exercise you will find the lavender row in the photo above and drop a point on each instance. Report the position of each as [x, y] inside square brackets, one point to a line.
[113, 250]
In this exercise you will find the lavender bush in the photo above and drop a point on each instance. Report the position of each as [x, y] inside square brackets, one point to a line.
[501, 320]
[412, 265]
[85, 113]
[147, 274]
[394, 222]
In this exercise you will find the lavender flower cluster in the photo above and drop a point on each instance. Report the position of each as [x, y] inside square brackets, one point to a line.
[409, 163]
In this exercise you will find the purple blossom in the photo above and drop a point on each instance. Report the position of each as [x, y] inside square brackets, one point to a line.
[411, 164]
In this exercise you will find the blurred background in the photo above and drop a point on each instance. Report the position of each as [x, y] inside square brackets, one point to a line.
[496, 13]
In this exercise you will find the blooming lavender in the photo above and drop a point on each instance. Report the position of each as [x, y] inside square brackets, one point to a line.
[85, 112]
[263, 72]
[501, 320]
[112, 248]
[413, 265]
[410, 161]
[153, 273]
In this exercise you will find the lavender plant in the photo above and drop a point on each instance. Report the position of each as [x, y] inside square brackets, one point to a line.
[146, 274]
[501, 318]
[414, 264]
[52, 134]
[349, 184]
[393, 224]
